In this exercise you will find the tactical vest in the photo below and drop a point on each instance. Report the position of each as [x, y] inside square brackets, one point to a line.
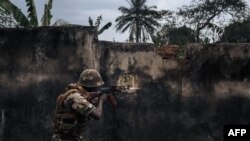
[67, 122]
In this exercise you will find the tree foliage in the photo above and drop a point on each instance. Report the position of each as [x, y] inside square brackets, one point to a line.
[7, 20]
[174, 35]
[11, 9]
[205, 14]
[237, 32]
[97, 24]
[31, 18]
[32, 15]
[139, 19]
[181, 35]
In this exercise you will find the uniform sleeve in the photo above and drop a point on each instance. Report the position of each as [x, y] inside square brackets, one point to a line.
[80, 104]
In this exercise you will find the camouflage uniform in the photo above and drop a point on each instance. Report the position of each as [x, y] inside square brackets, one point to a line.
[72, 114]
[73, 108]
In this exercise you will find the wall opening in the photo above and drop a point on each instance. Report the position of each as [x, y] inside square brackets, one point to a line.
[128, 80]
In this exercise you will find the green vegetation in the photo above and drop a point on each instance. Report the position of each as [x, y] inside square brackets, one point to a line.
[174, 35]
[202, 21]
[7, 19]
[237, 32]
[139, 19]
[97, 24]
[31, 20]
[47, 14]
[208, 14]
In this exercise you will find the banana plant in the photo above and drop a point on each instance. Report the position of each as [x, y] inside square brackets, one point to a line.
[10, 8]
[32, 12]
[31, 20]
[47, 14]
[97, 24]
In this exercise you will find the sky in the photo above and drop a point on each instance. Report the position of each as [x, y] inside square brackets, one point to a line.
[78, 11]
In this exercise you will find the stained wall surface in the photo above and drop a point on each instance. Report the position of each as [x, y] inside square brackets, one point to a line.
[189, 99]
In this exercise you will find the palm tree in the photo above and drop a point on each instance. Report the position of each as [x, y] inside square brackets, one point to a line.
[140, 19]
[31, 19]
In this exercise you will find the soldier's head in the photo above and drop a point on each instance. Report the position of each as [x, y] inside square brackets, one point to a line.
[90, 79]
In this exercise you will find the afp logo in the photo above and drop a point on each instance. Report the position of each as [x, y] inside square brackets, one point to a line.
[237, 133]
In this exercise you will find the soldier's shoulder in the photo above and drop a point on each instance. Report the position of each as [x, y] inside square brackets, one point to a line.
[77, 98]
[75, 95]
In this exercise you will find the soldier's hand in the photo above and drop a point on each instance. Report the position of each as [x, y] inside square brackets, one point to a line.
[103, 97]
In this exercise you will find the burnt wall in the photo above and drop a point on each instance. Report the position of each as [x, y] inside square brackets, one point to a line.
[35, 66]
[152, 112]
[215, 89]
[178, 100]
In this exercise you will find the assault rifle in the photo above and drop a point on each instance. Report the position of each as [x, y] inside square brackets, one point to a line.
[111, 91]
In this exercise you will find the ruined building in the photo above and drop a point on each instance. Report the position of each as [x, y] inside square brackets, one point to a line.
[179, 99]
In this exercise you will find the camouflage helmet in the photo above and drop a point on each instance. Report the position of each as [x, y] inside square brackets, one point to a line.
[90, 78]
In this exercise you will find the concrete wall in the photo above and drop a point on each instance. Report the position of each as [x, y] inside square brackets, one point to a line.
[148, 115]
[177, 100]
[215, 89]
[35, 66]
[218, 70]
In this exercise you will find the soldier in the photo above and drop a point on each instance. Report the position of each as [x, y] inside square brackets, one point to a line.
[74, 109]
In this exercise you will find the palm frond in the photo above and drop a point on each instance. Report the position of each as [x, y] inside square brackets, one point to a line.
[126, 27]
[32, 15]
[140, 19]
[124, 10]
[123, 22]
